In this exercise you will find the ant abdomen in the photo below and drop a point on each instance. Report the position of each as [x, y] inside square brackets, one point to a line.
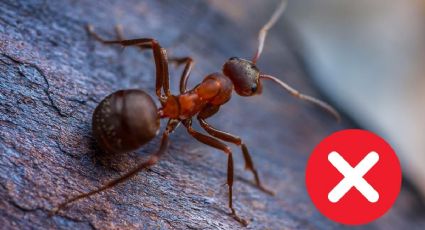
[125, 120]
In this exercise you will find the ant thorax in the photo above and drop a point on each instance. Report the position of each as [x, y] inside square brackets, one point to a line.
[215, 89]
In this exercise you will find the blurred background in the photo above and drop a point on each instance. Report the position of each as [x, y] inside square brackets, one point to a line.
[368, 57]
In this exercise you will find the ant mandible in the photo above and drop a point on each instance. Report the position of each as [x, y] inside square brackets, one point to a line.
[127, 119]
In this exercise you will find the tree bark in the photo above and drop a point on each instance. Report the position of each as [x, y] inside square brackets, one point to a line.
[53, 74]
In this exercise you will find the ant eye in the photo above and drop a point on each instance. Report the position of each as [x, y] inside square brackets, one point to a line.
[233, 58]
[254, 88]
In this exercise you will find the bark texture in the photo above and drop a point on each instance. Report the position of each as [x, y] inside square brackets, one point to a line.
[52, 76]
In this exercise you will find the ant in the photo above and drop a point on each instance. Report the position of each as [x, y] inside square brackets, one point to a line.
[127, 119]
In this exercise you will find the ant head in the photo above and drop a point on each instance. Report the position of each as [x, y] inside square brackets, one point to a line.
[244, 75]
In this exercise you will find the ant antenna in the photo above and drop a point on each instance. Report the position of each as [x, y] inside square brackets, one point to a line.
[263, 32]
[304, 97]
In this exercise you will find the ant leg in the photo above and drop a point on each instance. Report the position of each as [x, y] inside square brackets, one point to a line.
[249, 164]
[160, 56]
[221, 146]
[153, 159]
[189, 63]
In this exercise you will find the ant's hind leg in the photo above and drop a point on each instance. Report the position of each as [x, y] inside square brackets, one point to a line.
[153, 159]
[211, 141]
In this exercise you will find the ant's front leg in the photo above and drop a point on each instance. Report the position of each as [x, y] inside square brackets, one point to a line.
[160, 56]
[249, 164]
[211, 141]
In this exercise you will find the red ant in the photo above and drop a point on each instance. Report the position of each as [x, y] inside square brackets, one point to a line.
[127, 119]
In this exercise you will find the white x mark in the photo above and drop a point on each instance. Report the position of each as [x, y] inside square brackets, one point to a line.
[353, 177]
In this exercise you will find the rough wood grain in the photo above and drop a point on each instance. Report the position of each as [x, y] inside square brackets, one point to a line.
[52, 75]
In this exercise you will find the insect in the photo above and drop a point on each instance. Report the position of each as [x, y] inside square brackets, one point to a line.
[127, 119]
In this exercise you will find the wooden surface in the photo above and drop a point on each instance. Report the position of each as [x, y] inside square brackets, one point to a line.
[52, 75]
